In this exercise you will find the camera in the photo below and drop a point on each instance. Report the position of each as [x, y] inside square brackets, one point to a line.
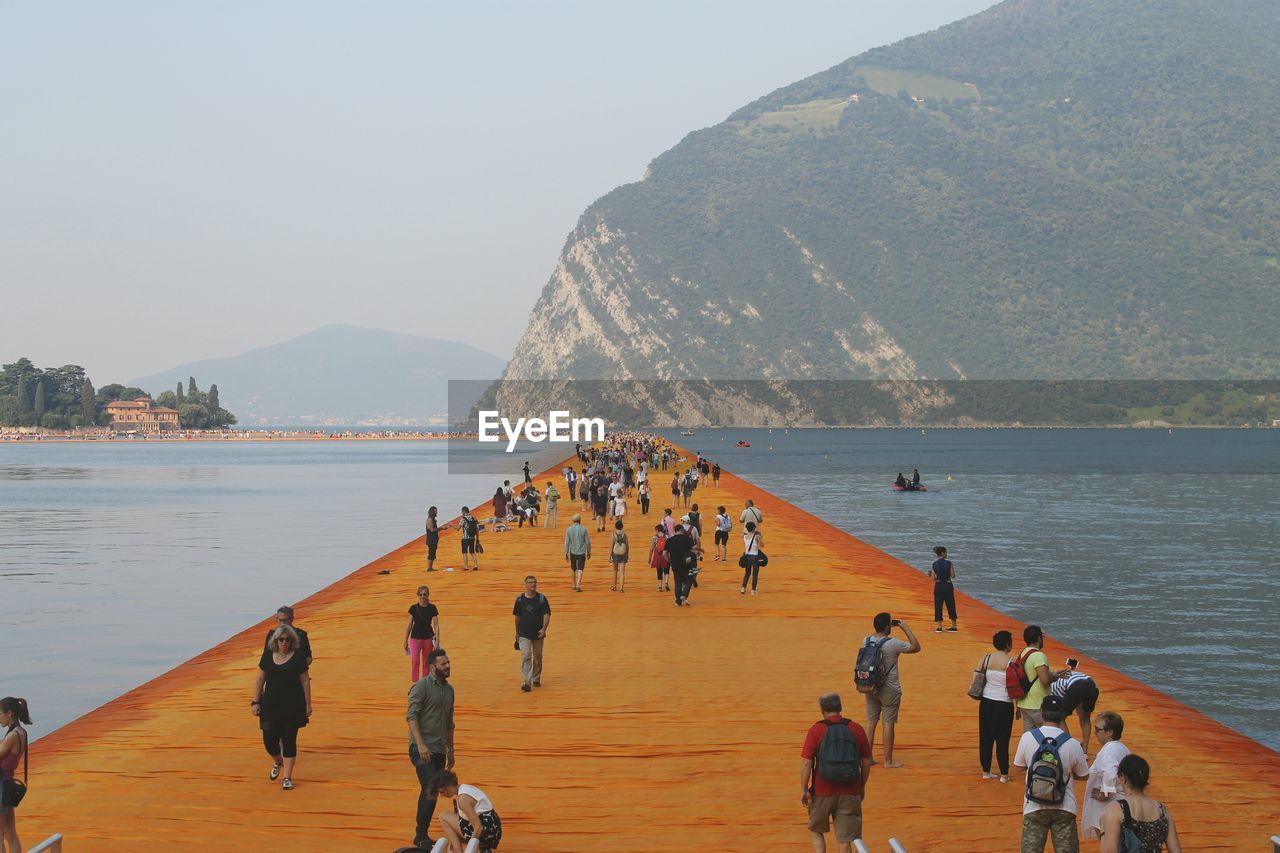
[897, 623]
[1073, 663]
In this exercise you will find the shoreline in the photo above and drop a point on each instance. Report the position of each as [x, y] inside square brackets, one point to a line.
[638, 695]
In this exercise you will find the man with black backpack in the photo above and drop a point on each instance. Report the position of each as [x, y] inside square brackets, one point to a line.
[875, 674]
[1051, 759]
[833, 790]
[470, 536]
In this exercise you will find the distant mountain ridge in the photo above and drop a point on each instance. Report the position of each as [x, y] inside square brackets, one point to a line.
[1048, 189]
[337, 375]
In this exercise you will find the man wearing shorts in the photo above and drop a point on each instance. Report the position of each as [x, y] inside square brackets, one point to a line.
[470, 529]
[827, 801]
[883, 703]
[723, 526]
[1079, 695]
[577, 548]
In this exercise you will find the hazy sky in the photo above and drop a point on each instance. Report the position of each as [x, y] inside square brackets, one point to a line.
[181, 180]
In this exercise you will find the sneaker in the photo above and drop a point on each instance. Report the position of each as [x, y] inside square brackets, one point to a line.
[537, 684]
[1004, 778]
[937, 630]
[275, 772]
[953, 630]
[288, 784]
[742, 591]
[988, 775]
[753, 591]
[526, 688]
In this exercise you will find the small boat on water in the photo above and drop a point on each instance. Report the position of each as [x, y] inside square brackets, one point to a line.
[743, 444]
[909, 488]
[686, 432]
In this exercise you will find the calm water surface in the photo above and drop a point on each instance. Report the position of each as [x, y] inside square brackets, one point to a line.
[1154, 552]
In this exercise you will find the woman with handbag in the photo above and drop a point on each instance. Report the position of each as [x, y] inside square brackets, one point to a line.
[13, 748]
[752, 543]
[995, 708]
[658, 556]
[619, 550]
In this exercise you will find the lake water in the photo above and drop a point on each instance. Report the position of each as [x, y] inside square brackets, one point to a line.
[1152, 551]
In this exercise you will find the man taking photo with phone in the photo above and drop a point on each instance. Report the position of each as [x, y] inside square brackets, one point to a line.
[883, 702]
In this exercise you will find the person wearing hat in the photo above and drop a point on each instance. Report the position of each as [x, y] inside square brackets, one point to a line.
[577, 549]
[1040, 820]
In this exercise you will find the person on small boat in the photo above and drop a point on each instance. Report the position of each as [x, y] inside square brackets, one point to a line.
[901, 482]
[915, 478]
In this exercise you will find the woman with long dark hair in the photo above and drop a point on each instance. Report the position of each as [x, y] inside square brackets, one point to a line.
[433, 538]
[1146, 818]
[282, 701]
[13, 749]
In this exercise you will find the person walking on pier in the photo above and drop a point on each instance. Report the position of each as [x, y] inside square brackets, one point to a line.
[752, 543]
[571, 480]
[532, 612]
[884, 701]
[282, 701]
[528, 478]
[577, 550]
[430, 719]
[995, 708]
[14, 714]
[643, 492]
[422, 634]
[680, 556]
[1147, 818]
[833, 776]
[619, 552]
[553, 503]
[751, 513]
[658, 556]
[723, 525]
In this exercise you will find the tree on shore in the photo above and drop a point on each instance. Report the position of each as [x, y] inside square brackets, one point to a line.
[88, 404]
[179, 396]
[39, 403]
[191, 387]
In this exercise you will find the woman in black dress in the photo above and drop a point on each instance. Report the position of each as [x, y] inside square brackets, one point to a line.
[433, 538]
[282, 701]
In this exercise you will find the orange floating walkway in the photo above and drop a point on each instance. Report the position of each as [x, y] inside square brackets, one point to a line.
[657, 729]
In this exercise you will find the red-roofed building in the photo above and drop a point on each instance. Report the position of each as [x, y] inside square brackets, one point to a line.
[140, 415]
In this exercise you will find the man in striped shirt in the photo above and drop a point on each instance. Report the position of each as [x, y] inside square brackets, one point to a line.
[1079, 693]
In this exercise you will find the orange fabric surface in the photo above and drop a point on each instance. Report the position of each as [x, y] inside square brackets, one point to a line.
[658, 728]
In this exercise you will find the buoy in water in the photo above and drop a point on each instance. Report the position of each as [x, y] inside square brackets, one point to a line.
[948, 476]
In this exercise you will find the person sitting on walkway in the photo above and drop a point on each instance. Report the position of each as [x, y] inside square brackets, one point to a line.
[473, 816]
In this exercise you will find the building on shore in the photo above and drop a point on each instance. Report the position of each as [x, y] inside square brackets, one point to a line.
[141, 416]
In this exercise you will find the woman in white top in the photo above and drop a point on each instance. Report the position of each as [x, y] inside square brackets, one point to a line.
[995, 709]
[472, 815]
[1103, 785]
[752, 543]
[723, 525]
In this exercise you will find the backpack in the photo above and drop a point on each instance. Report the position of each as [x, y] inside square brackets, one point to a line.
[619, 545]
[838, 758]
[469, 527]
[868, 671]
[1015, 676]
[1046, 778]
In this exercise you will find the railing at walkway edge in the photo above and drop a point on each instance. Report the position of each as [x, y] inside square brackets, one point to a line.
[52, 844]
[895, 846]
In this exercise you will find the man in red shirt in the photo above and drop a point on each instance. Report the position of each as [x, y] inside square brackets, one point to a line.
[834, 792]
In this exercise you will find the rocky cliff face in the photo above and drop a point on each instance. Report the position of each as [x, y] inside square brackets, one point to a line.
[1046, 190]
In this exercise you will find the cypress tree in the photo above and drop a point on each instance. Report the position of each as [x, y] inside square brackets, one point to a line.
[88, 404]
[181, 399]
[39, 409]
[213, 400]
[191, 386]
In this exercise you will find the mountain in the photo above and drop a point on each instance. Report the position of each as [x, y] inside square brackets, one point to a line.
[337, 375]
[1048, 189]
